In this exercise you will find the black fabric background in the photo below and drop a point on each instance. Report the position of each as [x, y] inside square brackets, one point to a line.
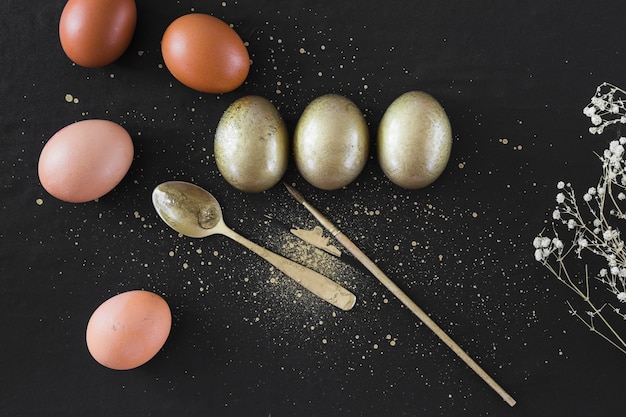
[461, 248]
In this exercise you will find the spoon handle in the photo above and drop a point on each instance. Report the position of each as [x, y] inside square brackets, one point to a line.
[318, 284]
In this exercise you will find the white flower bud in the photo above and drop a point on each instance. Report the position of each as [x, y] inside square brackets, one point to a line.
[538, 255]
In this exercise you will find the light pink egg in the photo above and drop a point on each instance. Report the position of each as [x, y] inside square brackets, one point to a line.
[85, 160]
[129, 329]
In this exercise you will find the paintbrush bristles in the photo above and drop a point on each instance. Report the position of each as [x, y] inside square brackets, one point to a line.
[294, 193]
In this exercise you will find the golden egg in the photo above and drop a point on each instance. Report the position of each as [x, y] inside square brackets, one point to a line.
[414, 140]
[251, 144]
[331, 142]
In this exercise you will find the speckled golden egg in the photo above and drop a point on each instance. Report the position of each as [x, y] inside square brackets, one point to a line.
[414, 140]
[331, 142]
[251, 144]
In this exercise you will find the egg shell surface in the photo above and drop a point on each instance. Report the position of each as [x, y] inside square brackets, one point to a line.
[331, 142]
[85, 160]
[251, 144]
[414, 140]
[205, 53]
[95, 33]
[128, 329]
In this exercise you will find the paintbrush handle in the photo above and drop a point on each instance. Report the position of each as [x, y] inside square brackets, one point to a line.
[395, 290]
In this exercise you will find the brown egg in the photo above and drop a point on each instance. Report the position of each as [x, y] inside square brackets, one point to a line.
[414, 140]
[85, 160]
[94, 33]
[129, 329]
[205, 54]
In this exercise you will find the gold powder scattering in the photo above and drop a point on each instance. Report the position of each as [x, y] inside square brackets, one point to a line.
[414, 243]
[69, 98]
[392, 342]
[324, 341]
[504, 141]
[215, 253]
[396, 247]
[39, 201]
[440, 258]
[474, 214]
[199, 251]
[302, 51]
[461, 165]
[375, 346]
[185, 265]
[171, 253]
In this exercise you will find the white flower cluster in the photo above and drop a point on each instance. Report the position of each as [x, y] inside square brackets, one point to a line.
[595, 229]
[607, 107]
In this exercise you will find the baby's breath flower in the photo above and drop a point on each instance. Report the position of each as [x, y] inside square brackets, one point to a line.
[592, 232]
[539, 255]
[596, 120]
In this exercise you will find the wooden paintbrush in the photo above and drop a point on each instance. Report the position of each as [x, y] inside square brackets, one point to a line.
[395, 290]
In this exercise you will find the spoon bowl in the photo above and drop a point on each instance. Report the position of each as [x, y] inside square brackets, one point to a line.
[194, 212]
[190, 210]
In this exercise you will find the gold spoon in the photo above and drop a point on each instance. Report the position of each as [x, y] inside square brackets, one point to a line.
[194, 212]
